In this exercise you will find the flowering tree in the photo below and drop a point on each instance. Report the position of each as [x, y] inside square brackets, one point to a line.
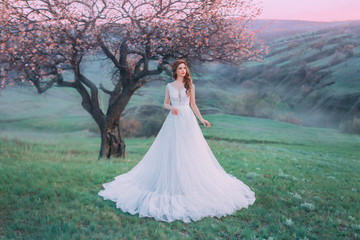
[40, 39]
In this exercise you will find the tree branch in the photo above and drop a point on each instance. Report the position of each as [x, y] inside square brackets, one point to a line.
[41, 89]
[108, 52]
[104, 89]
[147, 72]
[93, 90]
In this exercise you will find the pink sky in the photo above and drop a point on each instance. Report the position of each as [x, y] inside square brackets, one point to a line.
[311, 10]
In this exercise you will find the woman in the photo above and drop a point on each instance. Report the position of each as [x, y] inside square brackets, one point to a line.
[179, 178]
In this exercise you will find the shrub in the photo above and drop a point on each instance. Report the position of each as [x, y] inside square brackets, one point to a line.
[147, 119]
[292, 45]
[290, 118]
[131, 127]
[265, 107]
[243, 104]
[318, 45]
[337, 58]
[348, 50]
[151, 126]
[254, 104]
[272, 73]
[350, 126]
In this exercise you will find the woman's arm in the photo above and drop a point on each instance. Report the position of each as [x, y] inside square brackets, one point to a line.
[195, 108]
[167, 102]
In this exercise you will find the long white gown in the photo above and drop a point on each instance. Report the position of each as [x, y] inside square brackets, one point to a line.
[178, 178]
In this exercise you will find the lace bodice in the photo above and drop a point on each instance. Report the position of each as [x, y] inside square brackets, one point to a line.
[178, 98]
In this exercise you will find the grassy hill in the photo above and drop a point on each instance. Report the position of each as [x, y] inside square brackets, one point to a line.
[306, 180]
[316, 73]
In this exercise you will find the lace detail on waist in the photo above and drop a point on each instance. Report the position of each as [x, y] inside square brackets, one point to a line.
[181, 105]
[178, 97]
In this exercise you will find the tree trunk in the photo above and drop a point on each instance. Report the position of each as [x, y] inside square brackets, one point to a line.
[112, 135]
[112, 141]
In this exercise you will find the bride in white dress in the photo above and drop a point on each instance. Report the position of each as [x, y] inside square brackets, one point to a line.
[179, 178]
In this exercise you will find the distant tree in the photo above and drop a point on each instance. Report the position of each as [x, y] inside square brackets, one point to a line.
[337, 57]
[318, 45]
[40, 39]
[292, 45]
[307, 80]
[348, 50]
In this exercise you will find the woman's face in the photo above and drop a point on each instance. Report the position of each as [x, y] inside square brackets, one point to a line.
[181, 70]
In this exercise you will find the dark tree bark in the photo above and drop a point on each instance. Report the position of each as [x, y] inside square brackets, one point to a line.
[112, 141]
[112, 134]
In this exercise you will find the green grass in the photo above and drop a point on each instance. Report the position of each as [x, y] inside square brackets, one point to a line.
[306, 182]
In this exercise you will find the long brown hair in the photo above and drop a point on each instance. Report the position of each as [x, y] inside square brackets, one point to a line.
[187, 79]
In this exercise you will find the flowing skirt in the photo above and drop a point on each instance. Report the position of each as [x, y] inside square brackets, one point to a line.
[178, 178]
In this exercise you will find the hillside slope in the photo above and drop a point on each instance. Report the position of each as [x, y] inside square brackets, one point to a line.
[316, 73]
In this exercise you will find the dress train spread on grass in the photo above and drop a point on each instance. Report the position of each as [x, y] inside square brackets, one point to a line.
[178, 178]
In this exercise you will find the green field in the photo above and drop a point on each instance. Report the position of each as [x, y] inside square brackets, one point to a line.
[306, 180]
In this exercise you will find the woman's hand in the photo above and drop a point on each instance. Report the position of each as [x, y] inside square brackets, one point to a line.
[174, 111]
[206, 123]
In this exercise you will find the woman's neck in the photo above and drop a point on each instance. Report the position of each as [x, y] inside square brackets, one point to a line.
[180, 79]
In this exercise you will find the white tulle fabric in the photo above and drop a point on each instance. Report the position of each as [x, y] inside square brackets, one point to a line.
[179, 178]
